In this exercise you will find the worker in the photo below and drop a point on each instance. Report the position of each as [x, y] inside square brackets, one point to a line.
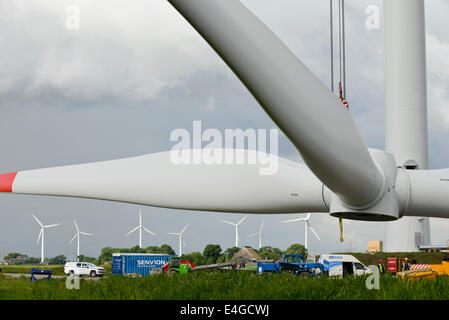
[405, 265]
[381, 266]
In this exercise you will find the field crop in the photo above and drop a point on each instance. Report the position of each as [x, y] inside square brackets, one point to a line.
[216, 285]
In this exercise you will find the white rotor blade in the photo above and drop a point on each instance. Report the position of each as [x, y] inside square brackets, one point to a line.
[39, 237]
[140, 217]
[238, 223]
[136, 228]
[173, 233]
[261, 227]
[87, 234]
[76, 226]
[309, 114]
[37, 220]
[145, 229]
[253, 235]
[73, 238]
[232, 224]
[308, 216]
[52, 225]
[157, 180]
[293, 220]
[316, 235]
[184, 229]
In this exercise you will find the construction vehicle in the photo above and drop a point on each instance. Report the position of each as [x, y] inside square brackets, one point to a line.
[176, 265]
[292, 263]
[412, 275]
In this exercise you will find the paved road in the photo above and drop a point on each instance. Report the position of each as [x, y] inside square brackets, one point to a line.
[39, 276]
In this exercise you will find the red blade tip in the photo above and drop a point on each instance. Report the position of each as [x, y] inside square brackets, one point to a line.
[6, 181]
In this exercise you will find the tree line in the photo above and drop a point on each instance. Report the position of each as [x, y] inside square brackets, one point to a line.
[212, 253]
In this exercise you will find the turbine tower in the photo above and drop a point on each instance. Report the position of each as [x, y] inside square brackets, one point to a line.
[406, 134]
[307, 225]
[258, 234]
[180, 238]
[236, 226]
[77, 235]
[42, 234]
[140, 227]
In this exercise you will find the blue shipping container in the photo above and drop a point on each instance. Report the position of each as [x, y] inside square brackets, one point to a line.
[124, 263]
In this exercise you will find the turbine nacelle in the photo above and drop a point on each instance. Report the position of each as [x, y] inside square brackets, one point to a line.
[385, 206]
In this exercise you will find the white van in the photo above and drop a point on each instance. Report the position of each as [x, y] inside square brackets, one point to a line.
[341, 265]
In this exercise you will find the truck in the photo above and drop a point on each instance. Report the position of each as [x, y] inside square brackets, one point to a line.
[341, 265]
[176, 265]
[83, 268]
[292, 263]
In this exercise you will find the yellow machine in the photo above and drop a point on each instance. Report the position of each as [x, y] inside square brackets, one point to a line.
[428, 274]
[442, 269]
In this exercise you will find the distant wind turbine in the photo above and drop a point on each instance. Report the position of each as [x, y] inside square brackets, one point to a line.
[140, 227]
[306, 226]
[180, 238]
[78, 233]
[42, 234]
[236, 226]
[258, 234]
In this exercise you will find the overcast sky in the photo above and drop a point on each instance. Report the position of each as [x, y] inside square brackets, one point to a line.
[135, 71]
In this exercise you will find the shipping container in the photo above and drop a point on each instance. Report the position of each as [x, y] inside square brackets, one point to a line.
[137, 263]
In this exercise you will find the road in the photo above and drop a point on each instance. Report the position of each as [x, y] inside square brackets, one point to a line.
[39, 276]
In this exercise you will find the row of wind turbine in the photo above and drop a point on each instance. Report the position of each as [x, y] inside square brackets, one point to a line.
[307, 226]
[41, 236]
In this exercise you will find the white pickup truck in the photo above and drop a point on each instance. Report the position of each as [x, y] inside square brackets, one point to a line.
[83, 268]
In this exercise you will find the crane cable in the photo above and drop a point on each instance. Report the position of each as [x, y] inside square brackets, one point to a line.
[342, 50]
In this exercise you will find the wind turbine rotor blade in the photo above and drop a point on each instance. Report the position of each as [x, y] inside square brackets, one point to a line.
[261, 227]
[152, 179]
[238, 223]
[52, 225]
[136, 228]
[313, 231]
[39, 237]
[173, 233]
[309, 114]
[293, 220]
[37, 220]
[145, 229]
[184, 229]
[253, 235]
[76, 226]
[308, 216]
[73, 238]
[87, 234]
[232, 224]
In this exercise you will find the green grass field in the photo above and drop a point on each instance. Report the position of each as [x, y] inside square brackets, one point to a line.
[218, 285]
